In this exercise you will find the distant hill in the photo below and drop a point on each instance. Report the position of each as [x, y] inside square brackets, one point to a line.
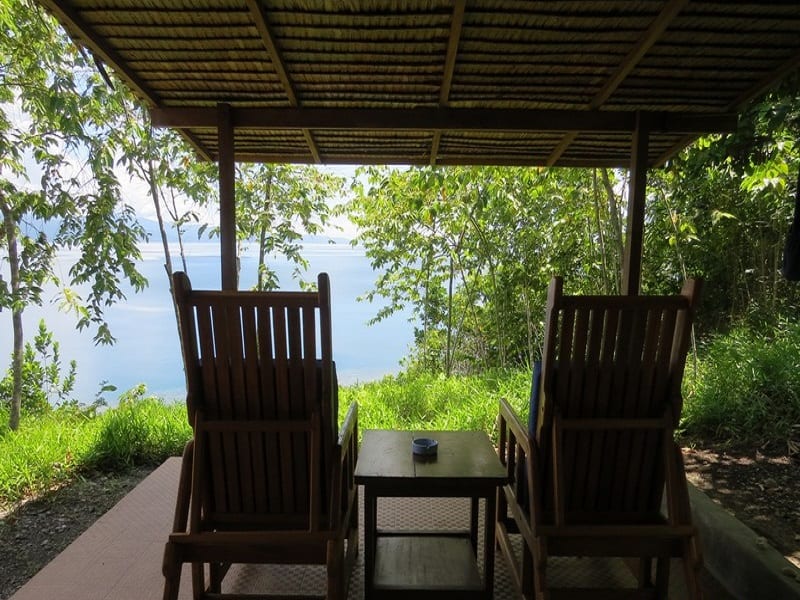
[190, 231]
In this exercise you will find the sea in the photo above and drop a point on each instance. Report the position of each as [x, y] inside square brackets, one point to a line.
[147, 349]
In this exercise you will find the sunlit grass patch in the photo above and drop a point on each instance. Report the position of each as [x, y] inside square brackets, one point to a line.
[435, 402]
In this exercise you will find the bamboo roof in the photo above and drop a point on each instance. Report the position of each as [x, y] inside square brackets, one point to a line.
[442, 81]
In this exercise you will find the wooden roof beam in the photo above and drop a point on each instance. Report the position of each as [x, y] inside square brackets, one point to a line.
[456, 24]
[261, 23]
[443, 119]
[760, 88]
[766, 83]
[455, 160]
[647, 41]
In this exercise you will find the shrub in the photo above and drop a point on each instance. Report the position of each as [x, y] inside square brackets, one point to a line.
[747, 387]
[140, 430]
[425, 401]
[43, 383]
[51, 449]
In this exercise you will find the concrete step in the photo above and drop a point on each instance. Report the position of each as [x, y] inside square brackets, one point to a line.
[743, 562]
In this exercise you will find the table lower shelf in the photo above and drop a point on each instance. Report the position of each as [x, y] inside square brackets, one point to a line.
[425, 563]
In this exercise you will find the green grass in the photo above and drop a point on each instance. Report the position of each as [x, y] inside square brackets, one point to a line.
[434, 402]
[54, 448]
[746, 389]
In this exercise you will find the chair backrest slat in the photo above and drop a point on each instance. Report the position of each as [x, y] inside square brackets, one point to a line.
[611, 357]
[259, 356]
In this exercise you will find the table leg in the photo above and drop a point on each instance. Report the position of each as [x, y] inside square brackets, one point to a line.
[473, 523]
[370, 542]
[489, 543]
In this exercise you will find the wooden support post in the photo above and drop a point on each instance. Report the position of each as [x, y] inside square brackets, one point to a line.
[637, 189]
[227, 198]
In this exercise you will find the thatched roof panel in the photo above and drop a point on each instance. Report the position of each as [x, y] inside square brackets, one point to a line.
[694, 60]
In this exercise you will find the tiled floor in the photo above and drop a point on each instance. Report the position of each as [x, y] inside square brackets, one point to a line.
[119, 557]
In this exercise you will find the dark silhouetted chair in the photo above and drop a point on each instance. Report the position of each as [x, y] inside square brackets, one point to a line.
[598, 473]
[267, 477]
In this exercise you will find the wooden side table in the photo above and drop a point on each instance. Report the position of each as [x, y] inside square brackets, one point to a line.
[431, 564]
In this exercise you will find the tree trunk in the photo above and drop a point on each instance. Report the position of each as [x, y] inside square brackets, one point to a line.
[448, 353]
[262, 240]
[16, 314]
[616, 224]
[601, 233]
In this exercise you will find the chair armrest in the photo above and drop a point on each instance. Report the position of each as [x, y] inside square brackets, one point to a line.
[343, 488]
[519, 454]
[349, 426]
[184, 490]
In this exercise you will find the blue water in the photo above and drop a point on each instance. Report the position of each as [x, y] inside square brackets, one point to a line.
[147, 348]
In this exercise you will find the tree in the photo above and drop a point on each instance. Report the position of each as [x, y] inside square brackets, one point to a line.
[177, 183]
[57, 116]
[721, 211]
[472, 251]
[275, 206]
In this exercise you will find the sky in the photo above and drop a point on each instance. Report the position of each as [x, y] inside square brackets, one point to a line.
[135, 193]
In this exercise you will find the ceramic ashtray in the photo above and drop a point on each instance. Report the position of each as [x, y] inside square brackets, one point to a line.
[424, 446]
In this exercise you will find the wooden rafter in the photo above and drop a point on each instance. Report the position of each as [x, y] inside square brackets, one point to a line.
[760, 88]
[766, 82]
[456, 24]
[97, 45]
[648, 39]
[452, 51]
[111, 57]
[260, 19]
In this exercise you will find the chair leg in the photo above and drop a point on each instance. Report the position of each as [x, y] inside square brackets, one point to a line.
[540, 572]
[216, 574]
[662, 577]
[335, 568]
[198, 580]
[692, 566]
[645, 574]
[172, 573]
[526, 572]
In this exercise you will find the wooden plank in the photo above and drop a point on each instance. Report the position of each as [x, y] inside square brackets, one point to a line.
[283, 407]
[462, 456]
[208, 358]
[577, 447]
[425, 564]
[643, 404]
[605, 388]
[632, 261]
[254, 407]
[225, 406]
[456, 23]
[297, 407]
[227, 196]
[650, 478]
[651, 35]
[269, 406]
[444, 119]
[630, 363]
[595, 403]
[311, 391]
[379, 455]
[236, 359]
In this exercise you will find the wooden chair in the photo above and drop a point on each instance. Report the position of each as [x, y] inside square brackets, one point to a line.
[267, 478]
[588, 477]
